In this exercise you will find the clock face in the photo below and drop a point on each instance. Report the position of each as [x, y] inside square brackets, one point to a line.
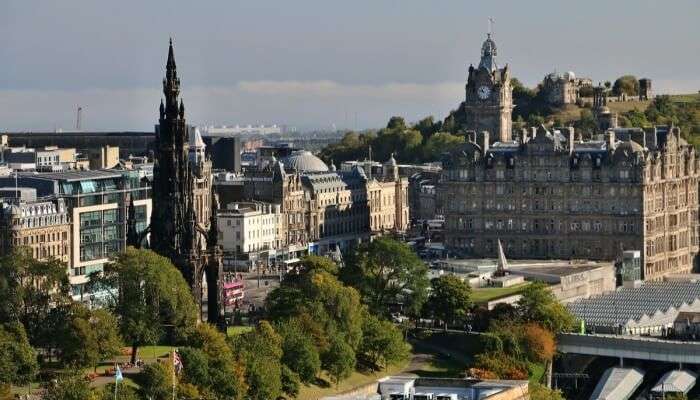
[483, 92]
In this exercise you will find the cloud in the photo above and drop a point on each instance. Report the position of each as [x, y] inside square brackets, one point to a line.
[305, 104]
[299, 103]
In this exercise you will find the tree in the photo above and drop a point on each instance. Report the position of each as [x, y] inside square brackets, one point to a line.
[124, 392]
[440, 143]
[540, 392]
[501, 365]
[18, 363]
[210, 364]
[586, 122]
[261, 350]
[313, 263]
[382, 343]
[299, 351]
[156, 381]
[539, 343]
[290, 382]
[539, 305]
[450, 299]
[339, 360]
[88, 336]
[29, 289]
[626, 84]
[70, 387]
[427, 127]
[150, 294]
[385, 272]
[321, 302]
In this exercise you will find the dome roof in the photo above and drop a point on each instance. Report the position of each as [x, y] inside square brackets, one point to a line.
[570, 76]
[304, 161]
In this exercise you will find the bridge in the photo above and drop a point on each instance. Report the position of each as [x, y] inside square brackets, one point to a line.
[631, 347]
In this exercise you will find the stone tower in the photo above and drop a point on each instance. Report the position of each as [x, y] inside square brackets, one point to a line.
[183, 203]
[488, 105]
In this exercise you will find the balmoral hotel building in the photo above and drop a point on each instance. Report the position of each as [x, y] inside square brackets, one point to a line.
[549, 195]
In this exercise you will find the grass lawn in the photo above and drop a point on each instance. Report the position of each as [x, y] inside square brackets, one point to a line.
[357, 379]
[238, 329]
[484, 295]
[537, 371]
[685, 98]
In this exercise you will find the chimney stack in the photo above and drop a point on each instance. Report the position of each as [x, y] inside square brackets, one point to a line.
[610, 137]
[484, 142]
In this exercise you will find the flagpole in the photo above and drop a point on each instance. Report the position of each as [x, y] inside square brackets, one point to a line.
[116, 382]
[173, 366]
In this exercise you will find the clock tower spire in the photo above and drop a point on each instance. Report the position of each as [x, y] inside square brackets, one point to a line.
[488, 103]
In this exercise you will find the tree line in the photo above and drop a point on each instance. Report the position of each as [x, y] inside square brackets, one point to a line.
[323, 322]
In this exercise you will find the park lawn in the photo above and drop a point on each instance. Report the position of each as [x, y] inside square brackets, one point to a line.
[357, 379]
[536, 371]
[238, 329]
[484, 295]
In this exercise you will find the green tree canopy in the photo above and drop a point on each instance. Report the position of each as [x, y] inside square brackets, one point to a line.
[539, 305]
[339, 360]
[261, 351]
[440, 143]
[18, 364]
[322, 303]
[72, 386]
[626, 84]
[300, 353]
[211, 365]
[450, 299]
[385, 272]
[149, 294]
[156, 381]
[29, 289]
[382, 343]
[87, 336]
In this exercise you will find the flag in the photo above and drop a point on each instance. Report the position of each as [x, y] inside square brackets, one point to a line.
[177, 362]
[118, 375]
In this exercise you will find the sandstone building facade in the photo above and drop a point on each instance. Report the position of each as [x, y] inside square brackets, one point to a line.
[548, 195]
[323, 209]
[41, 226]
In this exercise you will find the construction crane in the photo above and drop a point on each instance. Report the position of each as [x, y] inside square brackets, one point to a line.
[79, 119]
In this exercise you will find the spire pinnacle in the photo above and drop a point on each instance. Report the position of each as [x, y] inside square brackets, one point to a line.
[170, 65]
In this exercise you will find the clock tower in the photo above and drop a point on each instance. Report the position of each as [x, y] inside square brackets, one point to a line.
[488, 104]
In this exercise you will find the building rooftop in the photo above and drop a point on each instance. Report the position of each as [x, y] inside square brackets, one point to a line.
[675, 381]
[304, 161]
[650, 304]
[72, 176]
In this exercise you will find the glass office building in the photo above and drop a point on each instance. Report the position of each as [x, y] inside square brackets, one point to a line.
[97, 202]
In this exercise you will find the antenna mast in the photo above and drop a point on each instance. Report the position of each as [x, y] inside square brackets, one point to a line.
[79, 119]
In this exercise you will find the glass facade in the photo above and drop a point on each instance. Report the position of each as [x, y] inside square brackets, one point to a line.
[101, 234]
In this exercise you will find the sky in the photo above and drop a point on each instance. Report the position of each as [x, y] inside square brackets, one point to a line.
[316, 64]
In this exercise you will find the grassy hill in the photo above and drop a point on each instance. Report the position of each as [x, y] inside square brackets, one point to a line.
[572, 112]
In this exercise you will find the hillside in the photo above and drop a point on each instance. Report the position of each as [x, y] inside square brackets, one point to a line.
[572, 112]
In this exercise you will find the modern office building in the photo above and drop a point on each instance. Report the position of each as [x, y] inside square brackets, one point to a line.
[96, 204]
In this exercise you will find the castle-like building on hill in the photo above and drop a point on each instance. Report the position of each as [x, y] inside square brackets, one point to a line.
[488, 104]
[183, 223]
